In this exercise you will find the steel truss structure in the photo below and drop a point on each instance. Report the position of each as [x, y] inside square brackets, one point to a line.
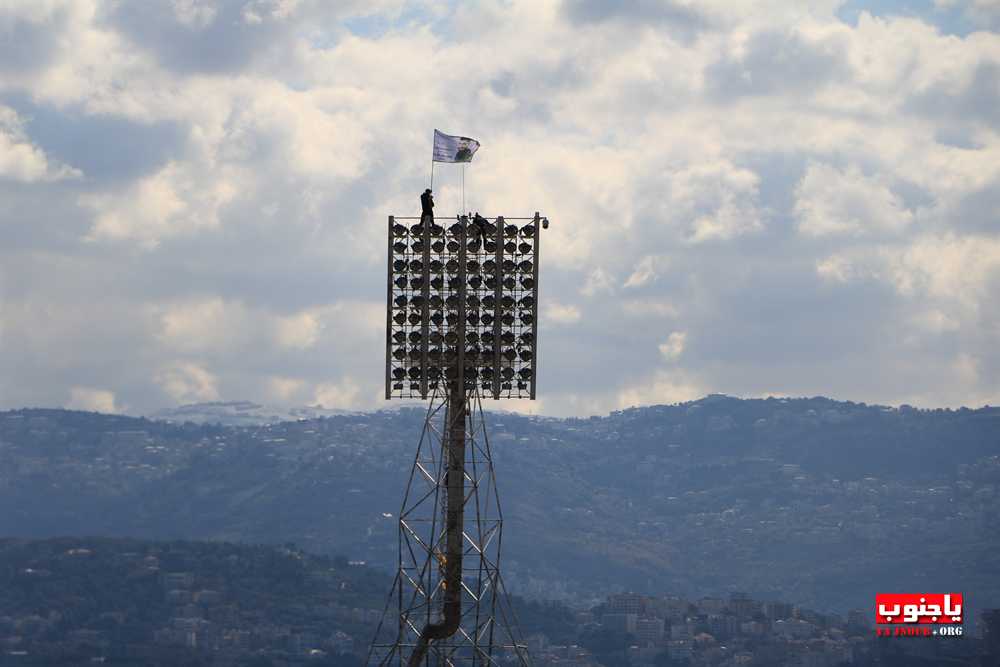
[486, 629]
[461, 324]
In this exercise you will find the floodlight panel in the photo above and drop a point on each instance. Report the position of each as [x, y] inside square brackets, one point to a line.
[452, 278]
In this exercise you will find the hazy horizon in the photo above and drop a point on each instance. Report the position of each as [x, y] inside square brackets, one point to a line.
[293, 412]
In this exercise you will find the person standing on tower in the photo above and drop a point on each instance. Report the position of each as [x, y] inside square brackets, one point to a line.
[427, 205]
[480, 225]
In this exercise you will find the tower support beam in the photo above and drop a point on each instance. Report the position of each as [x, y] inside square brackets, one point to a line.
[448, 604]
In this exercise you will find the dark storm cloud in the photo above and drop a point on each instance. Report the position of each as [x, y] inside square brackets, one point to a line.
[775, 62]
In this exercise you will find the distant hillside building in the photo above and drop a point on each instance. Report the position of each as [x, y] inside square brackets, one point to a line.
[649, 631]
[680, 649]
[626, 603]
[617, 622]
[742, 605]
[776, 611]
[710, 605]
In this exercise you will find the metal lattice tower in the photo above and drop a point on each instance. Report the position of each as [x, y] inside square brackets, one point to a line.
[461, 324]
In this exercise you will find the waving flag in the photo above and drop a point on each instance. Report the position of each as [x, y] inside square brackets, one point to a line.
[449, 148]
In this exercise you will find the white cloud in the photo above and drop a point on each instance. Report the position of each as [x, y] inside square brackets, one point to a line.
[317, 133]
[22, 161]
[176, 200]
[187, 382]
[597, 281]
[257, 11]
[342, 395]
[561, 313]
[833, 201]
[34, 11]
[672, 348]
[524, 406]
[194, 13]
[646, 271]
[935, 321]
[231, 328]
[285, 390]
[966, 368]
[649, 308]
[836, 268]
[202, 324]
[660, 388]
[961, 270]
[714, 201]
[92, 400]
[298, 331]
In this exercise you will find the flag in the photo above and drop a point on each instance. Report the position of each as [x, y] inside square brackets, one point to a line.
[449, 148]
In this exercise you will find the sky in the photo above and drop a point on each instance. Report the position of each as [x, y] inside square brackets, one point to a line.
[756, 198]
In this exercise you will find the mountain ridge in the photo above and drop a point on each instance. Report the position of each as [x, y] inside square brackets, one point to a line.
[773, 496]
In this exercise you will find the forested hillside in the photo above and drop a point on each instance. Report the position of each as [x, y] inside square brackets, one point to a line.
[811, 500]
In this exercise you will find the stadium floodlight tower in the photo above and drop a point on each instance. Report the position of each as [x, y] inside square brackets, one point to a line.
[461, 325]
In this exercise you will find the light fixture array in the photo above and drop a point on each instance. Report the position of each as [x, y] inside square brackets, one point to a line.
[462, 305]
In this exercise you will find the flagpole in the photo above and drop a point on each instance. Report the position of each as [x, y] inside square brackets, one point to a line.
[463, 188]
[432, 173]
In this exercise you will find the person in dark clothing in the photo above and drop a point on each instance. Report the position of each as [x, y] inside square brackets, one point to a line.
[427, 205]
[480, 225]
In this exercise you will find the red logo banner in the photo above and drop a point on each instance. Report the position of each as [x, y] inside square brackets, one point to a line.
[928, 608]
